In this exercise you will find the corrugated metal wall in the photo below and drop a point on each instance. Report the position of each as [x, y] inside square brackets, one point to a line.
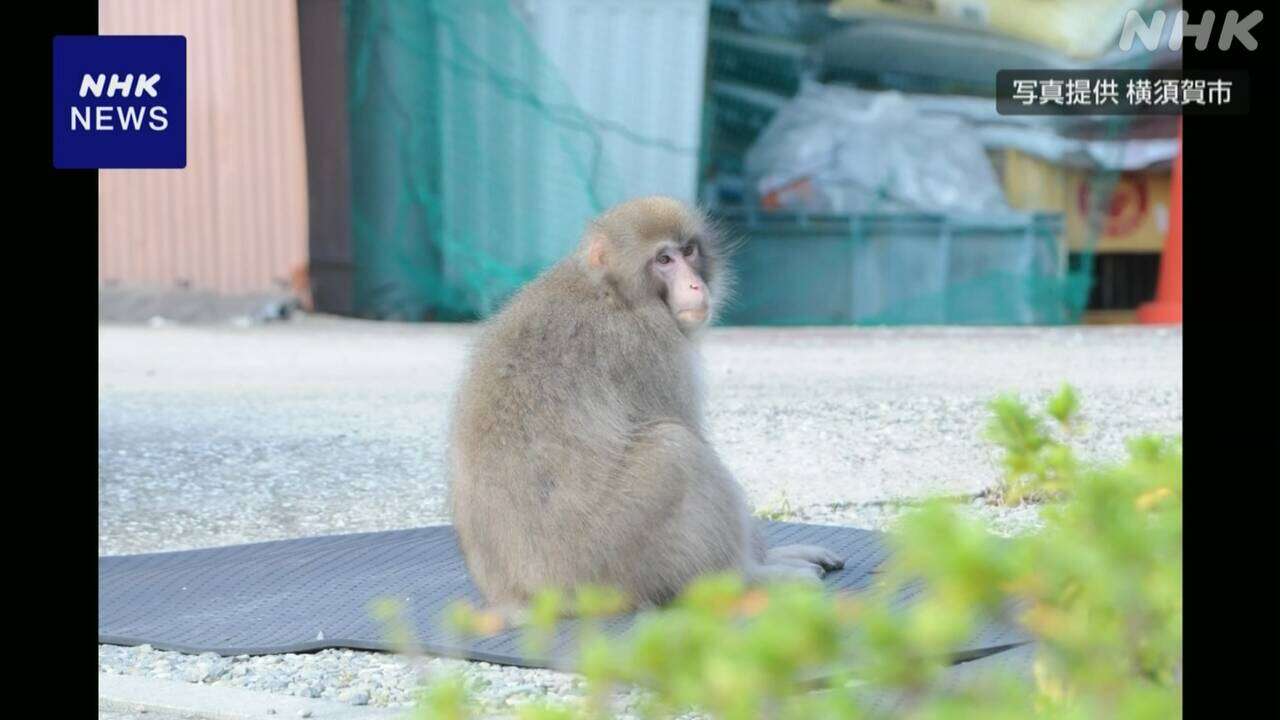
[235, 220]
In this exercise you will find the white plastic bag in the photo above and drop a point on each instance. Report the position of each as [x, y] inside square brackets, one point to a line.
[840, 149]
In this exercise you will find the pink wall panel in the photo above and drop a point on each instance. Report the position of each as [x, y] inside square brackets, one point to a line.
[235, 220]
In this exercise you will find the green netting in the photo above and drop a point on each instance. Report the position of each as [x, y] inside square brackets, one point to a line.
[879, 269]
[1022, 293]
[910, 268]
[472, 168]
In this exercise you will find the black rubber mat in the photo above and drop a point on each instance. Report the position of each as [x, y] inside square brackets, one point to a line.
[1014, 663]
[314, 593]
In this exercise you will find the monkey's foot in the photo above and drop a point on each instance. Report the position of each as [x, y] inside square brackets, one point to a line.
[820, 556]
[509, 615]
[787, 570]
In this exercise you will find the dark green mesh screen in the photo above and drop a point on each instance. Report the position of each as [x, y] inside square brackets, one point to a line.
[472, 168]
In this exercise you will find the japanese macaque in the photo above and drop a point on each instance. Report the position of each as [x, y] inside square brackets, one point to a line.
[578, 452]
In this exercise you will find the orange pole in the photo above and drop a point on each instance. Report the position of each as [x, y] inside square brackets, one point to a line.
[1166, 309]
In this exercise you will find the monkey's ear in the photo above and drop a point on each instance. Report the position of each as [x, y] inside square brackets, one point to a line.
[595, 243]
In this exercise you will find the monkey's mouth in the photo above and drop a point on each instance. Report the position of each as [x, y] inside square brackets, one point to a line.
[692, 316]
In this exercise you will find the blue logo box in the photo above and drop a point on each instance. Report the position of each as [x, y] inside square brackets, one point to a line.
[119, 101]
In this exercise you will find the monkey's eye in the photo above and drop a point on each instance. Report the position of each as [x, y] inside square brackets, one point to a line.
[663, 259]
[688, 249]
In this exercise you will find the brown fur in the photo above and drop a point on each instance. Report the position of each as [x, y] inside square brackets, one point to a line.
[578, 451]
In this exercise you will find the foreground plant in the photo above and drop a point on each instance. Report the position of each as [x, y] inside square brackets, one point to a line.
[1100, 587]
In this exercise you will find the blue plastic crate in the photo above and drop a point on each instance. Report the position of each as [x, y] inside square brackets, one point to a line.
[900, 269]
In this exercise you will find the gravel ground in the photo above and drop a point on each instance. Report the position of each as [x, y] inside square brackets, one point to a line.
[116, 713]
[218, 434]
[354, 677]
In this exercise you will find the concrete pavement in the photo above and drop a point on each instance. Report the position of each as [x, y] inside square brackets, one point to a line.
[217, 434]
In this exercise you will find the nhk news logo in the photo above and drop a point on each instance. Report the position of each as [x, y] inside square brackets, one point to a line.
[119, 101]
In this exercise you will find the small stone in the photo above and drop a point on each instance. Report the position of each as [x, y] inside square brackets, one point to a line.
[304, 713]
[195, 674]
[355, 697]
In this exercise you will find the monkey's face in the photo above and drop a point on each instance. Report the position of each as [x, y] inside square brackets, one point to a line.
[676, 267]
[658, 251]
